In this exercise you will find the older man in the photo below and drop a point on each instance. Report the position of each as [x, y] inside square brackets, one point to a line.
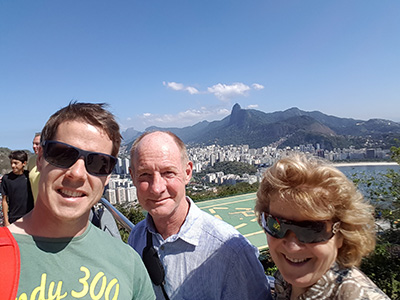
[202, 256]
[63, 256]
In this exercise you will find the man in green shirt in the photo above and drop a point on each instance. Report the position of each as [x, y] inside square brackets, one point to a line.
[63, 256]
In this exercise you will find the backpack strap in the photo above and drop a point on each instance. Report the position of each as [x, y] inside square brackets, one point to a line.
[153, 264]
[9, 265]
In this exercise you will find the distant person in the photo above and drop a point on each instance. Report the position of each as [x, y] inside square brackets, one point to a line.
[17, 199]
[63, 256]
[202, 256]
[34, 174]
[318, 228]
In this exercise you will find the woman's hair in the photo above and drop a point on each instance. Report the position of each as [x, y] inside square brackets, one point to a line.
[91, 113]
[319, 191]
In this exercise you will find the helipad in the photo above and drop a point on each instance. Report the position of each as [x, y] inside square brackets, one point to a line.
[239, 212]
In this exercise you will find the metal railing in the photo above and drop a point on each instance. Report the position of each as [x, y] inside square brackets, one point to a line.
[118, 216]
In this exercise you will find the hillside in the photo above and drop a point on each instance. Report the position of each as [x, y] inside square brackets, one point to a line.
[291, 127]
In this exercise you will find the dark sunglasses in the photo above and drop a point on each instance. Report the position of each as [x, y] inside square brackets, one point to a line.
[64, 156]
[307, 232]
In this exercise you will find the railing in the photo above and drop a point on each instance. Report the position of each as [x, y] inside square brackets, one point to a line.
[120, 218]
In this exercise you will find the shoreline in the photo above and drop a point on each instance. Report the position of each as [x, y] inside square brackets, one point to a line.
[356, 164]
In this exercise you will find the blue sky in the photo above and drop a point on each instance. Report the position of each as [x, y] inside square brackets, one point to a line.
[175, 63]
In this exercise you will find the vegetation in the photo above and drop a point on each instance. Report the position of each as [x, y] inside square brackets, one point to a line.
[383, 265]
[134, 213]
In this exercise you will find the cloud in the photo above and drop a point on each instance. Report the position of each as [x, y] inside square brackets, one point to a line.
[192, 90]
[224, 92]
[257, 86]
[252, 106]
[180, 87]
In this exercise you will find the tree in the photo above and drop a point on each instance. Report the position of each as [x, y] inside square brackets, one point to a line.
[135, 214]
[383, 265]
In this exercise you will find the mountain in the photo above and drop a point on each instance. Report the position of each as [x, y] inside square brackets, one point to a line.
[291, 127]
[130, 135]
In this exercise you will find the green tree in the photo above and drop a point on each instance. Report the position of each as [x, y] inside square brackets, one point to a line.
[383, 265]
[135, 214]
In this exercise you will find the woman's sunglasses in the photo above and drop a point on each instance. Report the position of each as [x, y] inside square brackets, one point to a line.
[307, 232]
[64, 156]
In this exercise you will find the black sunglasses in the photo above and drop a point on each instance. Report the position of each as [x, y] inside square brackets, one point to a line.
[64, 156]
[307, 232]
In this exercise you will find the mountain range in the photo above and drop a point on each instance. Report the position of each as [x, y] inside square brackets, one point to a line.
[291, 127]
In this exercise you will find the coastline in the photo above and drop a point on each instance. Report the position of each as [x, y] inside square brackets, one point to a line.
[356, 164]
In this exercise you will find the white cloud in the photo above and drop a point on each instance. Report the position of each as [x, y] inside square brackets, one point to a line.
[192, 90]
[224, 92]
[174, 85]
[180, 87]
[257, 86]
[252, 106]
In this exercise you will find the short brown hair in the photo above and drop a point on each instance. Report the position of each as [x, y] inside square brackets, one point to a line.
[319, 191]
[18, 155]
[91, 113]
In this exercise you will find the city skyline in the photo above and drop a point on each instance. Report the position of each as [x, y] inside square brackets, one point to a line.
[174, 64]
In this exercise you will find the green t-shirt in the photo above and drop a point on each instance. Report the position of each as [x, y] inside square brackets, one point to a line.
[93, 265]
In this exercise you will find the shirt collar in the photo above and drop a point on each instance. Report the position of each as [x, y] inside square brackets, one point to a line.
[189, 232]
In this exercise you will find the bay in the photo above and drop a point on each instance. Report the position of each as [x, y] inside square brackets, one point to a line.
[374, 169]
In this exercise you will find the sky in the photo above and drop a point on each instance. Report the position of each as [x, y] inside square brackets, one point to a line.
[176, 63]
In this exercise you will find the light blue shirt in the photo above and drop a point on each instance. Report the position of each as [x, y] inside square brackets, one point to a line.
[207, 259]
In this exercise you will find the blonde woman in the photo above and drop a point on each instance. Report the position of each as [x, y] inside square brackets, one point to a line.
[318, 228]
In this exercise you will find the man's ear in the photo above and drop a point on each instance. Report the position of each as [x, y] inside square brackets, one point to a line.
[132, 173]
[189, 171]
[39, 158]
[107, 180]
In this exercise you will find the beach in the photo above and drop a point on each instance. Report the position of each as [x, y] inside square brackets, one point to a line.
[363, 163]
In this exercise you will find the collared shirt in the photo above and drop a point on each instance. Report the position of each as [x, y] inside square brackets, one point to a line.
[336, 283]
[207, 259]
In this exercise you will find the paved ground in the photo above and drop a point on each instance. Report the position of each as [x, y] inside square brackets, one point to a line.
[239, 212]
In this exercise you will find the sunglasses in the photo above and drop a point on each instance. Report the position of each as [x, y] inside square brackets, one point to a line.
[64, 156]
[307, 232]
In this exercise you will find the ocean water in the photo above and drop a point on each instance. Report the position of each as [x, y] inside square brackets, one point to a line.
[367, 169]
[376, 171]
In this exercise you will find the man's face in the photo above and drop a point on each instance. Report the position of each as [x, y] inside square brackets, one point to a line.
[69, 193]
[36, 144]
[17, 166]
[160, 176]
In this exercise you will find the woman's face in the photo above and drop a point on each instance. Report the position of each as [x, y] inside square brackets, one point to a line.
[300, 264]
